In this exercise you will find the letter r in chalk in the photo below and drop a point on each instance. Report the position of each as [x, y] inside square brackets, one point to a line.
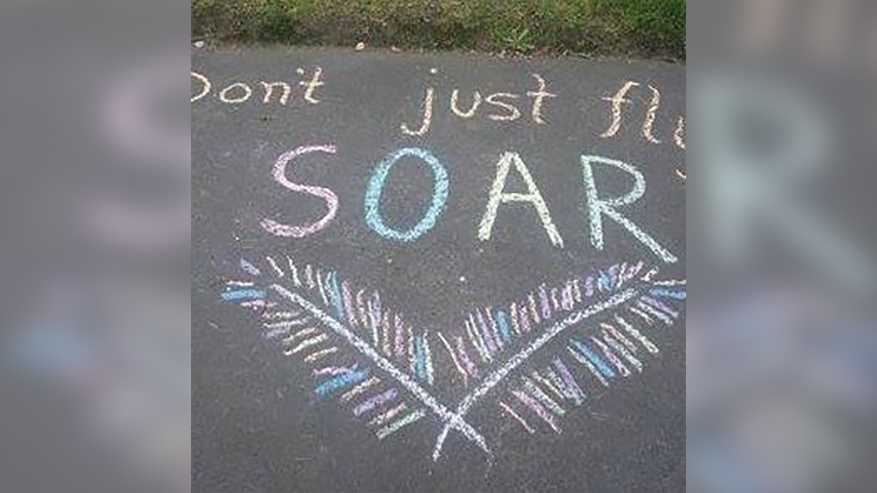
[597, 207]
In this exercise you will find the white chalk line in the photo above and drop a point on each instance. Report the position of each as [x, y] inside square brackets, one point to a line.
[500, 373]
[320, 354]
[387, 416]
[542, 397]
[617, 100]
[310, 342]
[679, 134]
[274, 266]
[451, 420]
[550, 386]
[649, 122]
[614, 344]
[454, 359]
[513, 414]
[636, 334]
[287, 324]
[671, 282]
[301, 333]
[653, 311]
[281, 315]
[397, 425]
[642, 315]
[350, 394]
[612, 331]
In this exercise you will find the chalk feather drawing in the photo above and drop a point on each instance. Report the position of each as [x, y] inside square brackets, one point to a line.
[591, 330]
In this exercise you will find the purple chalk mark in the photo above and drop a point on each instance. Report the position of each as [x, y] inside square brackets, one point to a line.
[536, 408]
[486, 342]
[543, 298]
[375, 402]
[567, 297]
[250, 268]
[660, 305]
[470, 367]
[569, 380]
[615, 360]
[525, 320]
[614, 279]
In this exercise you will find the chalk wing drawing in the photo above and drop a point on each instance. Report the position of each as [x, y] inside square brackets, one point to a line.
[311, 311]
[595, 326]
[592, 330]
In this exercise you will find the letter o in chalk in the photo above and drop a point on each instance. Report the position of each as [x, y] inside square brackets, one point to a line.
[223, 96]
[376, 187]
[205, 87]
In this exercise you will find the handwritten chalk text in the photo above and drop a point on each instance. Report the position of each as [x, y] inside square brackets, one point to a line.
[597, 205]
[269, 92]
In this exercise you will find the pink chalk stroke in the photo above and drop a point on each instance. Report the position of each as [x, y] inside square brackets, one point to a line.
[327, 195]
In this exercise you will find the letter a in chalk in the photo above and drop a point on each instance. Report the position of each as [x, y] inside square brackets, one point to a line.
[597, 206]
[497, 196]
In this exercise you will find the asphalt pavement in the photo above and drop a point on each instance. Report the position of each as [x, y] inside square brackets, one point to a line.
[323, 176]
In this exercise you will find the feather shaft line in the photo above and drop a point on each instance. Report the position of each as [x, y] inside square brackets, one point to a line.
[521, 356]
[451, 419]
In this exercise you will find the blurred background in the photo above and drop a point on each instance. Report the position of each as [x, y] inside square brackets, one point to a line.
[94, 346]
[781, 345]
[95, 329]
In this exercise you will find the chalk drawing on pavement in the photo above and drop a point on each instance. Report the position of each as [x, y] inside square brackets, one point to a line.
[594, 329]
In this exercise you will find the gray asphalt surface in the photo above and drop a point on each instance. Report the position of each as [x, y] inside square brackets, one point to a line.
[256, 425]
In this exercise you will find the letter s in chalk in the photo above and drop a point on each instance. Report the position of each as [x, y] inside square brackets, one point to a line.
[327, 195]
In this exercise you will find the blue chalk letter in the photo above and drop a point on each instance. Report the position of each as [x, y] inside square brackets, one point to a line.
[376, 187]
